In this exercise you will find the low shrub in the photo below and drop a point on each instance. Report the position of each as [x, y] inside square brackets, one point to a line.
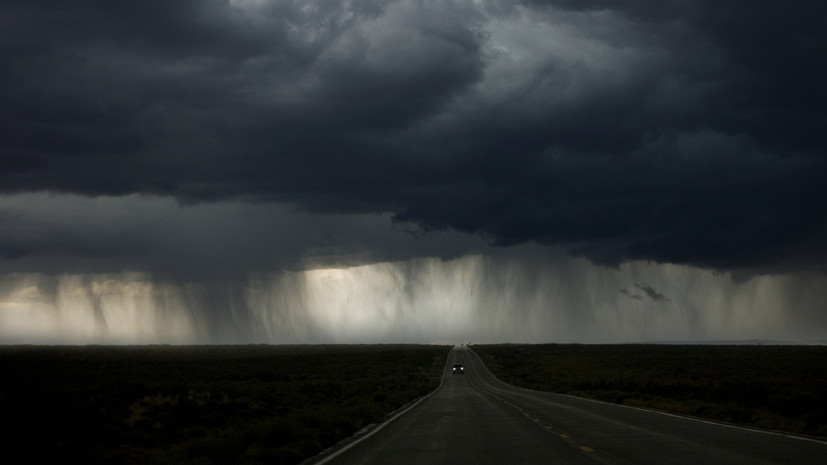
[779, 387]
[205, 404]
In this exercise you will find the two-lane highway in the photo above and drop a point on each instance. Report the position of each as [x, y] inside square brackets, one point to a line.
[476, 419]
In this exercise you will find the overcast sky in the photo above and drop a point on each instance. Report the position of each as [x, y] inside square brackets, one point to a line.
[214, 150]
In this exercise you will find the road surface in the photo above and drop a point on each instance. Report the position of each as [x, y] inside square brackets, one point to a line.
[476, 419]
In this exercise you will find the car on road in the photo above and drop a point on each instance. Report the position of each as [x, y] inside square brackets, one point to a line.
[458, 369]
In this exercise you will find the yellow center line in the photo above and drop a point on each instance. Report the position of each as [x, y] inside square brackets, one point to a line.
[542, 423]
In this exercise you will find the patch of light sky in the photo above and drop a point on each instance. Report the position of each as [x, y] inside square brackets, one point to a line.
[473, 298]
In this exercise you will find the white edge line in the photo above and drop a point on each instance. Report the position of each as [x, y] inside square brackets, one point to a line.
[386, 422]
[669, 414]
[702, 420]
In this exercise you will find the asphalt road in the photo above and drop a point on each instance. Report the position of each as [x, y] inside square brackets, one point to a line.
[476, 419]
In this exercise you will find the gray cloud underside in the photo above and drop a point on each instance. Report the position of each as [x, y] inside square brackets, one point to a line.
[221, 241]
[680, 131]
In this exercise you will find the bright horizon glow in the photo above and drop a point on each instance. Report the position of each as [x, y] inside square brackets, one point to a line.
[473, 298]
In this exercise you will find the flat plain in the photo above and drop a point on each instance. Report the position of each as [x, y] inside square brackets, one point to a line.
[283, 404]
[779, 387]
[202, 404]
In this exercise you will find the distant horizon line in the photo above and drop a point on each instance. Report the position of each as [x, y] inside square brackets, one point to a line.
[772, 342]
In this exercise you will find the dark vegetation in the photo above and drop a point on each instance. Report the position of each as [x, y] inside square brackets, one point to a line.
[202, 405]
[776, 387]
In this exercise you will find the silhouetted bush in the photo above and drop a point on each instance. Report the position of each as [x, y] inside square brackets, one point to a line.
[203, 405]
[779, 387]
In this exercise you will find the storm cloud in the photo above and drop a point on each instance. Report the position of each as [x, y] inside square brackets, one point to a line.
[683, 131]
[197, 153]
[219, 241]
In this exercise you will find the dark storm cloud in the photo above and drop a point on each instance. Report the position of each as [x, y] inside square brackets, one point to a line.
[632, 296]
[652, 293]
[680, 131]
[223, 241]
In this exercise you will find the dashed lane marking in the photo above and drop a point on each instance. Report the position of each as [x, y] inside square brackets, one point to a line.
[545, 425]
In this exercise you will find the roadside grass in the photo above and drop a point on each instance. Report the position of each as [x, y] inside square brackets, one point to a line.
[767, 386]
[203, 404]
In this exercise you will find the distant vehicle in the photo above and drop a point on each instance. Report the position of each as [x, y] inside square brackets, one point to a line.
[458, 369]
